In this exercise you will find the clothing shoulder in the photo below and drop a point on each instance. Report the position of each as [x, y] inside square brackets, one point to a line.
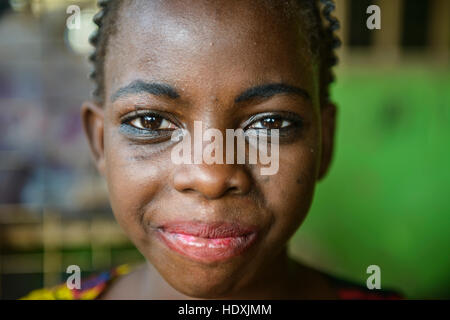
[91, 287]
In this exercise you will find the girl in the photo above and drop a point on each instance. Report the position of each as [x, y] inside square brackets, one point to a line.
[212, 230]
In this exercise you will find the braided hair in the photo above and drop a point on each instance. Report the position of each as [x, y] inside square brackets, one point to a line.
[321, 32]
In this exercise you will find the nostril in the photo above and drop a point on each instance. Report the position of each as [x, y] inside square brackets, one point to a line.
[212, 182]
[234, 190]
[188, 190]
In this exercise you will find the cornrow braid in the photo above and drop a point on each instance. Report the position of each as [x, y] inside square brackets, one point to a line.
[104, 20]
[332, 42]
[324, 41]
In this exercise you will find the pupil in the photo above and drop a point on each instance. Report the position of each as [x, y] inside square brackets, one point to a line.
[272, 123]
[151, 122]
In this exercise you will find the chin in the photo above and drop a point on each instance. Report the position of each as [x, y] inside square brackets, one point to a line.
[205, 290]
[205, 283]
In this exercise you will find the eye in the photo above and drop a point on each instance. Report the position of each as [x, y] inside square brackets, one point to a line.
[152, 122]
[148, 126]
[270, 122]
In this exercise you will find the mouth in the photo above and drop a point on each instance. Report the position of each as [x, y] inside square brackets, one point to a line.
[207, 242]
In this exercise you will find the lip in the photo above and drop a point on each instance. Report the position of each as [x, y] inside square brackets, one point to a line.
[207, 242]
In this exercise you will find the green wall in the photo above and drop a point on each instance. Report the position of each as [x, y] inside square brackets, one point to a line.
[386, 199]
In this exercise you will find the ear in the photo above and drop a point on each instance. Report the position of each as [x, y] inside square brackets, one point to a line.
[328, 113]
[92, 116]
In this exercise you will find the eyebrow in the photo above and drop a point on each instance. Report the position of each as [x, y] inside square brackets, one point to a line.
[140, 86]
[162, 89]
[269, 90]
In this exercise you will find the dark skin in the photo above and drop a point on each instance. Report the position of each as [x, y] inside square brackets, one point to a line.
[209, 53]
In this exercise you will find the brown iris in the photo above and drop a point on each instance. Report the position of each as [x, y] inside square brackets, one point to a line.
[151, 122]
[272, 123]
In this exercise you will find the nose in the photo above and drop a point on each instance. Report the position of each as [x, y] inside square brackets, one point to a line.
[212, 181]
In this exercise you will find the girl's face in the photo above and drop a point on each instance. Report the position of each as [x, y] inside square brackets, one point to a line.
[177, 62]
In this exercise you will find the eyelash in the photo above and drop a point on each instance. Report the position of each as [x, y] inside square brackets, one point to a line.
[131, 130]
[295, 121]
[290, 122]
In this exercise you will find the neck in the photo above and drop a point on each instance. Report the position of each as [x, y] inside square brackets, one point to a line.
[272, 281]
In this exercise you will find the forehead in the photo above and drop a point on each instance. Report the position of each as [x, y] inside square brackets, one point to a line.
[210, 44]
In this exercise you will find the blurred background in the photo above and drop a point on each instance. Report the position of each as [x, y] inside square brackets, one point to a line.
[385, 201]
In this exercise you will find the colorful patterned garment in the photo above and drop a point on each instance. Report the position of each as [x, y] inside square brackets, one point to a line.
[93, 286]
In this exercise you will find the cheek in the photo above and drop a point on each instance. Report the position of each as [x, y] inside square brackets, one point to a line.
[289, 192]
[132, 181]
